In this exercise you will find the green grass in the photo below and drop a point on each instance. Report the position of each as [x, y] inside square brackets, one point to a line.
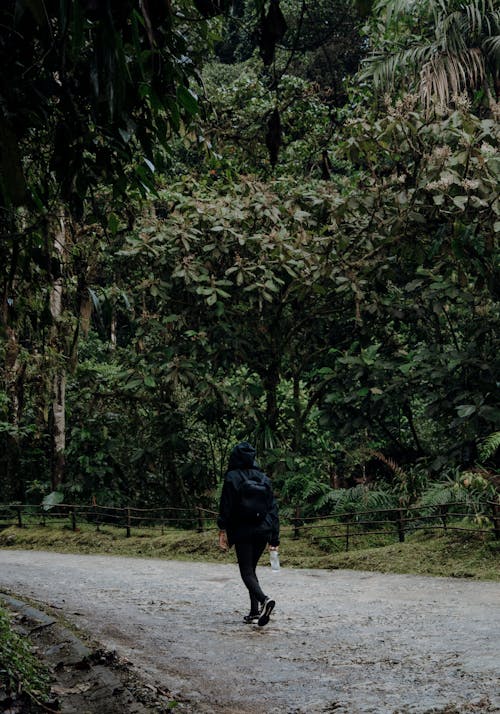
[466, 553]
[20, 670]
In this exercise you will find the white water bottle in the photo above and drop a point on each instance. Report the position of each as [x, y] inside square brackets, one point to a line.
[275, 560]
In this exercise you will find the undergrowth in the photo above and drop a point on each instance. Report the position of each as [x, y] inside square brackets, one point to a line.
[20, 671]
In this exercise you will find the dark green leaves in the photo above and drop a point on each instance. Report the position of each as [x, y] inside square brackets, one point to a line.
[89, 85]
[188, 100]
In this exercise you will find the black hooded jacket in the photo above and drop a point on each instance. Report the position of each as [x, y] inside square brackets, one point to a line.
[242, 465]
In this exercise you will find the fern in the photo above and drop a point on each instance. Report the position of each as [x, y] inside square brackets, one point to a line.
[393, 466]
[469, 489]
[443, 494]
[315, 489]
[328, 499]
[489, 445]
[362, 498]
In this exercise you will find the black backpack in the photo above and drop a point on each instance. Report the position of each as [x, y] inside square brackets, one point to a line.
[255, 499]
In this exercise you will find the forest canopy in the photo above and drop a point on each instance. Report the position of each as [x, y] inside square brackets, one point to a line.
[268, 220]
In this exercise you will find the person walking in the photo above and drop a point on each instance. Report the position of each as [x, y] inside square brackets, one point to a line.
[249, 519]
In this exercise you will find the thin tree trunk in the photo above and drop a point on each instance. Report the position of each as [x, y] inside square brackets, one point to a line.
[298, 415]
[14, 377]
[113, 330]
[58, 386]
[14, 385]
[270, 383]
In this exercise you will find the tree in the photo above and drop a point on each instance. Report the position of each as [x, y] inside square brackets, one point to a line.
[449, 48]
[242, 105]
[90, 93]
[322, 44]
[419, 375]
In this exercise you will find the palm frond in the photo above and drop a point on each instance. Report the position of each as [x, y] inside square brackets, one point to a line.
[491, 48]
[460, 37]
[447, 75]
[392, 8]
[475, 15]
[384, 69]
[450, 31]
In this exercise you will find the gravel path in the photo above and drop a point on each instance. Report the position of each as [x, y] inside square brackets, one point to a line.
[339, 641]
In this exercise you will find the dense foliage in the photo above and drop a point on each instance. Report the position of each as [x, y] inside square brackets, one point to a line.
[313, 270]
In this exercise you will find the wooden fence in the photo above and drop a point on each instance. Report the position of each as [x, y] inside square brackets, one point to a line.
[398, 522]
[344, 527]
[73, 515]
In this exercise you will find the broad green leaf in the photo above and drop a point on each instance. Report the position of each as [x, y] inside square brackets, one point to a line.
[466, 410]
[460, 201]
[113, 223]
[52, 499]
[187, 99]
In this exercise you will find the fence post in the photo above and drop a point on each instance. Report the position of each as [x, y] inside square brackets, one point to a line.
[443, 511]
[19, 517]
[128, 522]
[496, 520]
[401, 526]
[296, 523]
[201, 527]
[97, 523]
[73, 519]
[347, 536]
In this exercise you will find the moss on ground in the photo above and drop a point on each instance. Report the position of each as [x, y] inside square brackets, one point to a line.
[465, 553]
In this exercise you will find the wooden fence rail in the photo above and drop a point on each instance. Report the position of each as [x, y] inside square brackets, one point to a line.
[346, 526]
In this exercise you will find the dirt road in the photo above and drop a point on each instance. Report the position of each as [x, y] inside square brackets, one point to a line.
[340, 641]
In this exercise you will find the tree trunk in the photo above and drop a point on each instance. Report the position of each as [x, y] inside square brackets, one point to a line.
[113, 330]
[13, 374]
[59, 428]
[298, 415]
[270, 382]
[14, 378]
[58, 386]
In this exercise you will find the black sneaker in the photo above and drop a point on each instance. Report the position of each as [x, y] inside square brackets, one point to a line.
[251, 618]
[266, 610]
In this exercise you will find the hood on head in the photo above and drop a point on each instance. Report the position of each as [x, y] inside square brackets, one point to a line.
[242, 456]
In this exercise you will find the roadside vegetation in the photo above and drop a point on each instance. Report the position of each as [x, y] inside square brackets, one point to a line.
[464, 553]
[23, 679]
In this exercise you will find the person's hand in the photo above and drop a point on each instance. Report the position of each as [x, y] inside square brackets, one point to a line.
[223, 544]
[273, 547]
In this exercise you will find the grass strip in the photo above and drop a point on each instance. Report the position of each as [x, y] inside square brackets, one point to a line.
[468, 553]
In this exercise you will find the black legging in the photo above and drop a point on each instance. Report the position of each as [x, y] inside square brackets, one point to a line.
[248, 555]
